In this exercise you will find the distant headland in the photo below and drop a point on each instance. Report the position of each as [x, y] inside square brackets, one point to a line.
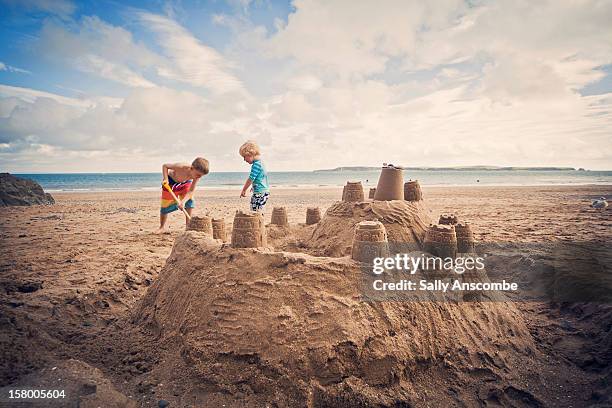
[455, 168]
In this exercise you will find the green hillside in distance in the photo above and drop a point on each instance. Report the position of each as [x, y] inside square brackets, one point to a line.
[453, 168]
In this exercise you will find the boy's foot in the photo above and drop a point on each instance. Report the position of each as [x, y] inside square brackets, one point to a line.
[162, 230]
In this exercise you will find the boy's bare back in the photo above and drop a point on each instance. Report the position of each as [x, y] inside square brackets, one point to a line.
[179, 171]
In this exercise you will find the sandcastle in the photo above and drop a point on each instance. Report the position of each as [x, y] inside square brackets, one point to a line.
[390, 184]
[200, 224]
[372, 193]
[218, 226]
[412, 191]
[313, 215]
[448, 219]
[465, 238]
[293, 329]
[370, 241]
[352, 192]
[441, 240]
[279, 216]
[248, 230]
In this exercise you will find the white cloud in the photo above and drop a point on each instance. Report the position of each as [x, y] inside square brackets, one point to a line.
[30, 95]
[150, 124]
[115, 72]
[100, 49]
[357, 38]
[10, 68]
[192, 61]
[304, 83]
[340, 83]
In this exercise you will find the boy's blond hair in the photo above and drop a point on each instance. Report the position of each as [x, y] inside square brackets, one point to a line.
[249, 148]
[200, 164]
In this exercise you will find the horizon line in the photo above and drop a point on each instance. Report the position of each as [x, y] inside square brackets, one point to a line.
[458, 168]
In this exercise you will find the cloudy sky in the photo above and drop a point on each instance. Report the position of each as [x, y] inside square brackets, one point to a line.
[112, 86]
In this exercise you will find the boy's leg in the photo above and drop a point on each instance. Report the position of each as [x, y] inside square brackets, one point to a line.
[254, 202]
[163, 219]
[189, 206]
[167, 206]
[258, 201]
[264, 200]
[189, 211]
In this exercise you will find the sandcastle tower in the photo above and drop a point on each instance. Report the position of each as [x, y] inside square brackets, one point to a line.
[313, 215]
[218, 226]
[372, 193]
[390, 184]
[352, 192]
[448, 219]
[201, 224]
[279, 216]
[370, 241]
[465, 238]
[412, 191]
[441, 240]
[248, 230]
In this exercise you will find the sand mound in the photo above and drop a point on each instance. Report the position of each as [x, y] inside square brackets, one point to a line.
[294, 330]
[277, 232]
[405, 222]
[19, 191]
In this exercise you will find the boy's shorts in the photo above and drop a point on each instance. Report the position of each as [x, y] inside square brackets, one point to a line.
[181, 189]
[258, 200]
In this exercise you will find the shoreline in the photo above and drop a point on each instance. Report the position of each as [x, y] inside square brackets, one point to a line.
[328, 187]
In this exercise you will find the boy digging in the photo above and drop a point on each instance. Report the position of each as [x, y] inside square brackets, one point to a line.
[182, 179]
[258, 177]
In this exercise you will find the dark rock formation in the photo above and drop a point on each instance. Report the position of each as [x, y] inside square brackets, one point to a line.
[19, 191]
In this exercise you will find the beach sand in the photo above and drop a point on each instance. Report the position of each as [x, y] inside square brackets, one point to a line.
[72, 273]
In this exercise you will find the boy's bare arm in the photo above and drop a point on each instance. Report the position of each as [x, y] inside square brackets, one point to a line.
[191, 191]
[247, 184]
[171, 166]
[165, 168]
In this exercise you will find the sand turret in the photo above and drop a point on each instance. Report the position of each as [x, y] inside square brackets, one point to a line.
[390, 184]
[218, 226]
[352, 192]
[412, 191]
[279, 216]
[465, 238]
[448, 219]
[441, 240]
[248, 230]
[200, 224]
[313, 215]
[370, 241]
[372, 193]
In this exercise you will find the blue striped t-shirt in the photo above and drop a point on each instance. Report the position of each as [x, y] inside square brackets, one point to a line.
[259, 176]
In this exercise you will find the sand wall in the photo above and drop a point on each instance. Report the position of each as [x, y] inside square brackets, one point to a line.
[294, 326]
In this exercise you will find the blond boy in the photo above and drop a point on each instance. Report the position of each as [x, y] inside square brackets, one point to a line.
[258, 177]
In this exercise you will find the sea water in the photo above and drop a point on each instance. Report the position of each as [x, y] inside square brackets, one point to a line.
[299, 179]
